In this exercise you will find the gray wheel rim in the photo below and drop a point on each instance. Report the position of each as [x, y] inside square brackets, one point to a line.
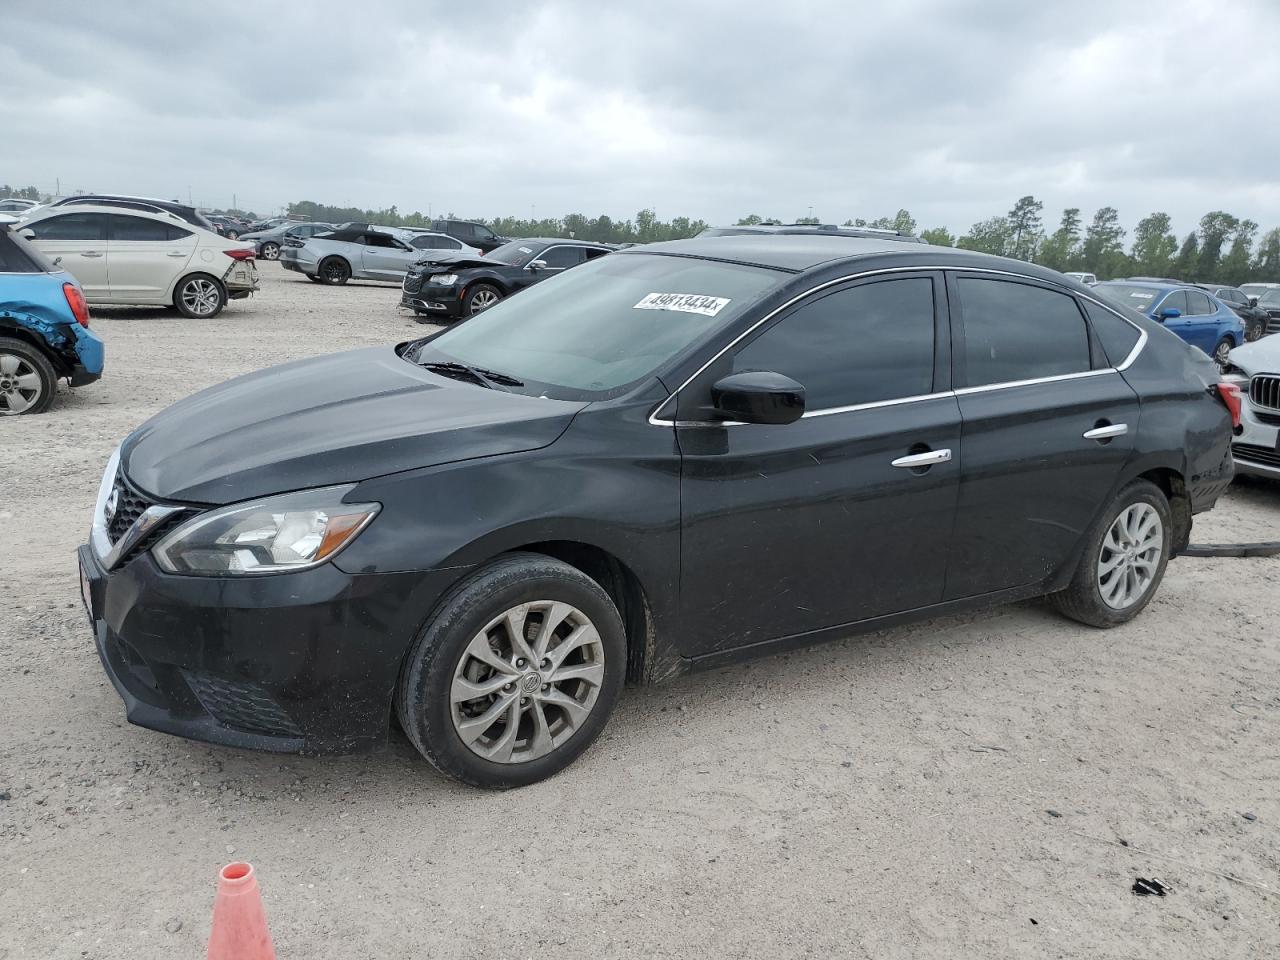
[482, 300]
[527, 682]
[1223, 353]
[20, 386]
[201, 296]
[1130, 556]
[270, 252]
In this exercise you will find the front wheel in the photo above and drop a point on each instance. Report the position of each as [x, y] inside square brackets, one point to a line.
[27, 379]
[334, 271]
[200, 297]
[515, 674]
[270, 251]
[480, 297]
[1124, 559]
[1255, 330]
[1222, 352]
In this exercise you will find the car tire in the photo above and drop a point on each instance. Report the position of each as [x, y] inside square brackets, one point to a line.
[333, 271]
[480, 297]
[1255, 330]
[1100, 593]
[1222, 351]
[313, 278]
[27, 378]
[491, 739]
[199, 296]
[270, 251]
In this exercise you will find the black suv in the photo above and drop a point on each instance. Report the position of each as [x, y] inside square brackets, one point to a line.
[447, 285]
[472, 234]
[189, 214]
[1255, 317]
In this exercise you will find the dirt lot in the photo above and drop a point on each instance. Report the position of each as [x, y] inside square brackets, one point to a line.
[879, 797]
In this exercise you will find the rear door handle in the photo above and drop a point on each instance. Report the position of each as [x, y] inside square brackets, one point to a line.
[926, 459]
[176, 253]
[1107, 432]
[91, 253]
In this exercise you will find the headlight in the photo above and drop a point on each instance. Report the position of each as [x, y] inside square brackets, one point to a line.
[444, 279]
[275, 535]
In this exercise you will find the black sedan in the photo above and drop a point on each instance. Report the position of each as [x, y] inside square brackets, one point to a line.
[448, 286]
[678, 456]
[1250, 311]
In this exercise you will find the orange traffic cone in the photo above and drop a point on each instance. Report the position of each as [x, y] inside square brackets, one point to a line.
[239, 921]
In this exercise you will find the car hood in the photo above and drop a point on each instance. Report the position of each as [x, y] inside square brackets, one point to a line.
[1261, 356]
[459, 260]
[329, 420]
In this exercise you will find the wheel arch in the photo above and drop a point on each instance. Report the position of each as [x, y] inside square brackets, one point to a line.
[183, 278]
[16, 331]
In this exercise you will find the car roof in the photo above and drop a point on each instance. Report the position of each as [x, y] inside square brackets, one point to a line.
[561, 241]
[166, 216]
[87, 198]
[1165, 285]
[829, 229]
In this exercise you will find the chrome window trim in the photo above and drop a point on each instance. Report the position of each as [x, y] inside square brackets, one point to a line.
[658, 421]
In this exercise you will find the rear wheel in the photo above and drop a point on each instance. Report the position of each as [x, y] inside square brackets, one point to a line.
[515, 674]
[1124, 559]
[334, 271]
[1222, 352]
[270, 251]
[1255, 330]
[27, 379]
[199, 296]
[480, 297]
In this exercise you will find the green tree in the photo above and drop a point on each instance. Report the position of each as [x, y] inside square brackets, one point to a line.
[1061, 250]
[1235, 265]
[1103, 247]
[1215, 227]
[814, 220]
[988, 236]
[938, 236]
[751, 220]
[1024, 225]
[1188, 255]
[904, 222]
[1154, 246]
[1266, 266]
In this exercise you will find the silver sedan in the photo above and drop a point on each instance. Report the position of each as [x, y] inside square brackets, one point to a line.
[363, 252]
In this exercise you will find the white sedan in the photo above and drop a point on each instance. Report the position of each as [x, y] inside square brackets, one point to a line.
[123, 256]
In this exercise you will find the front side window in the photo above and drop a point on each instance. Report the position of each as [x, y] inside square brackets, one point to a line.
[561, 257]
[594, 330]
[1015, 331]
[859, 345]
[72, 226]
[1174, 301]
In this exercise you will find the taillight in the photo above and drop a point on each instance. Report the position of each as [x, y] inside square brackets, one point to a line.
[75, 300]
[1230, 395]
[239, 254]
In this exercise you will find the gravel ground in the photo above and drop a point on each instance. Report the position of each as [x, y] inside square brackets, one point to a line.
[979, 786]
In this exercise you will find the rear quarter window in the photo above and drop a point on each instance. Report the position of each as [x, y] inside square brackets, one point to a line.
[18, 256]
[1117, 336]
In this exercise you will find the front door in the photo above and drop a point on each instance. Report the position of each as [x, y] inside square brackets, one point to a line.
[824, 521]
[386, 258]
[148, 257]
[78, 242]
[1048, 426]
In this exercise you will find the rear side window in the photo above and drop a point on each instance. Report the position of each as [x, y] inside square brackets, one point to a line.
[18, 256]
[72, 226]
[1014, 331]
[859, 345]
[1199, 305]
[1118, 337]
[592, 252]
[138, 229]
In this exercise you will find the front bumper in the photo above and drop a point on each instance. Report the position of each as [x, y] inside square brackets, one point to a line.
[420, 296]
[1257, 449]
[303, 662]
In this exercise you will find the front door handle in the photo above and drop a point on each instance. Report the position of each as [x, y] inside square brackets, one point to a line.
[926, 459]
[1107, 432]
[91, 253]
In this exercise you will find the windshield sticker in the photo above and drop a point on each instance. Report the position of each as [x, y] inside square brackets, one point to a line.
[1142, 294]
[525, 250]
[684, 303]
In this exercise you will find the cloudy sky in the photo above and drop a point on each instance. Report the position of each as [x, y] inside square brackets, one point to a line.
[951, 108]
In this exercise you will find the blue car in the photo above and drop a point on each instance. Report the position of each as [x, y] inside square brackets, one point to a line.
[44, 328]
[1201, 320]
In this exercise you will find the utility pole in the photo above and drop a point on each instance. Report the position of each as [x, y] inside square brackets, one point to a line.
[57, 190]
[189, 203]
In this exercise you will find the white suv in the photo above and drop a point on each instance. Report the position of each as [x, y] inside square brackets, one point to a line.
[124, 256]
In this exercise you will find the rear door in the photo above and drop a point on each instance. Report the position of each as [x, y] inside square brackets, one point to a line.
[822, 522]
[1047, 426]
[77, 242]
[1201, 322]
[147, 257]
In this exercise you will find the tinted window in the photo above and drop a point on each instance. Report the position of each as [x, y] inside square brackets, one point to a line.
[1174, 301]
[1199, 304]
[432, 241]
[1118, 337]
[592, 252]
[72, 226]
[380, 240]
[483, 233]
[1014, 331]
[138, 229]
[18, 256]
[859, 345]
[1230, 296]
[464, 230]
[562, 256]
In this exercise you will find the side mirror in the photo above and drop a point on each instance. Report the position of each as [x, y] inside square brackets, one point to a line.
[536, 265]
[1169, 313]
[27, 233]
[1253, 301]
[758, 396]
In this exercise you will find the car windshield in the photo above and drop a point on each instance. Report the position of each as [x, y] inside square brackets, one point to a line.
[1270, 298]
[602, 326]
[516, 253]
[1129, 295]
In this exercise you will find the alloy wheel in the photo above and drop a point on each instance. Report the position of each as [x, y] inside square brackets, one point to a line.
[482, 300]
[201, 297]
[1130, 556]
[527, 682]
[270, 251]
[1222, 353]
[20, 385]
